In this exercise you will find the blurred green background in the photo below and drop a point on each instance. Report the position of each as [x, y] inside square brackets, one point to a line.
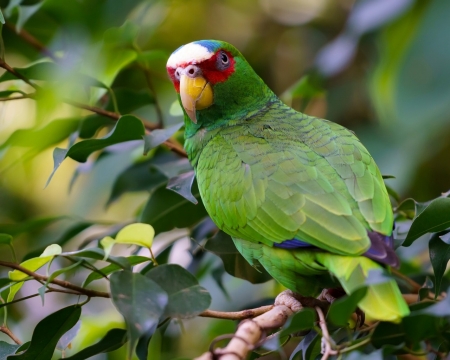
[379, 67]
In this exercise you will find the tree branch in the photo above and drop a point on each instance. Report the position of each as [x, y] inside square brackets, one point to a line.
[236, 315]
[64, 284]
[5, 330]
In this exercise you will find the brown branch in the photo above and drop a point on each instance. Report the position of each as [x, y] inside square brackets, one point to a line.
[64, 284]
[5, 330]
[15, 98]
[236, 315]
[8, 68]
[30, 39]
[414, 286]
[97, 110]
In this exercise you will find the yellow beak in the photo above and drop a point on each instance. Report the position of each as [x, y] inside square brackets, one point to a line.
[196, 94]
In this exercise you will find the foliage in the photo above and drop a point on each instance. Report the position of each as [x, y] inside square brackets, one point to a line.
[87, 111]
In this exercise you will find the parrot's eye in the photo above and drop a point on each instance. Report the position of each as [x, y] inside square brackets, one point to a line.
[223, 61]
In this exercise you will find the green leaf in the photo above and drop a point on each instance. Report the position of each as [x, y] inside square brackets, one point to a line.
[439, 309]
[47, 333]
[342, 309]
[137, 177]
[303, 320]
[129, 100]
[40, 139]
[65, 341]
[67, 235]
[114, 339]
[6, 239]
[235, 264]
[136, 234]
[439, 257]
[157, 137]
[32, 226]
[132, 260]
[92, 123]
[434, 218]
[154, 346]
[186, 297]
[127, 128]
[98, 254]
[388, 334]
[58, 157]
[182, 185]
[166, 210]
[7, 349]
[2, 18]
[32, 265]
[40, 71]
[58, 272]
[140, 301]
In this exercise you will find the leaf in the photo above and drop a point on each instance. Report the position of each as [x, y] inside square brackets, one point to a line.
[439, 309]
[133, 234]
[65, 341]
[32, 265]
[439, 257]
[157, 137]
[58, 272]
[129, 100]
[7, 349]
[140, 301]
[182, 185]
[45, 70]
[47, 333]
[67, 235]
[114, 339]
[58, 157]
[98, 254]
[137, 177]
[186, 297]
[92, 123]
[166, 210]
[235, 264]
[154, 346]
[388, 334]
[434, 218]
[32, 226]
[303, 320]
[6, 239]
[132, 260]
[136, 234]
[128, 128]
[342, 309]
[40, 139]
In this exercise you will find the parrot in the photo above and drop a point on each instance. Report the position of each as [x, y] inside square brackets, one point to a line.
[299, 195]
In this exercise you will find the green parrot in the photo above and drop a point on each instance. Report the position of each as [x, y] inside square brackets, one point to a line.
[299, 195]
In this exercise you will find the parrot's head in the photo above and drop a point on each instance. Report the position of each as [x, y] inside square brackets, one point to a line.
[215, 83]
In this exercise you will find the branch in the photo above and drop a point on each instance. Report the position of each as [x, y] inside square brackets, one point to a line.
[236, 315]
[5, 330]
[30, 39]
[64, 284]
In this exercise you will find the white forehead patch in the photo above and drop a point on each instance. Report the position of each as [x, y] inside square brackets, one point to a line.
[190, 53]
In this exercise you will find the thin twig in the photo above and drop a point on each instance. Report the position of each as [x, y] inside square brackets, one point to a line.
[414, 285]
[328, 351]
[30, 39]
[64, 284]
[15, 98]
[5, 330]
[8, 68]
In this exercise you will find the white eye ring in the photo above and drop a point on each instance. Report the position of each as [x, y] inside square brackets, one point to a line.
[224, 58]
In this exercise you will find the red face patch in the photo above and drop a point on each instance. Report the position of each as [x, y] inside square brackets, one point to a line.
[216, 69]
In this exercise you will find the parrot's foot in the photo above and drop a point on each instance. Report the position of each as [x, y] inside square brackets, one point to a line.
[287, 298]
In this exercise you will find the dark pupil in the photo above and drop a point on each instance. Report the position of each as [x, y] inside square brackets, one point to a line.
[224, 58]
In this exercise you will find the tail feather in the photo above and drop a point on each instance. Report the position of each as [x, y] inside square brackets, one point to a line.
[383, 301]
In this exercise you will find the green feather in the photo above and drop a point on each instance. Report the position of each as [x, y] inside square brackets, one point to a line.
[267, 173]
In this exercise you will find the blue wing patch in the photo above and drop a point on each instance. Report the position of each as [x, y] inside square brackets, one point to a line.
[293, 244]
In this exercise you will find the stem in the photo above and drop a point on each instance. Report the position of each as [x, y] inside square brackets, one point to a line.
[325, 335]
[5, 330]
[64, 284]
